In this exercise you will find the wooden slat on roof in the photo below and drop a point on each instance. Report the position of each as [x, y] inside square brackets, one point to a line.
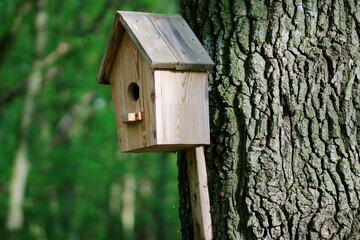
[148, 40]
[166, 42]
[183, 43]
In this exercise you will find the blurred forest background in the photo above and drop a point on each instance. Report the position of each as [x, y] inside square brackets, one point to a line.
[61, 173]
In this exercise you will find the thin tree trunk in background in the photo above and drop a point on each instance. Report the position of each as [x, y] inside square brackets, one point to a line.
[285, 118]
[114, 229]
[128, 206]
[115, 199]
[21, 162]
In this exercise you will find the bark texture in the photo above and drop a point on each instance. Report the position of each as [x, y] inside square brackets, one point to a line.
[285, 118]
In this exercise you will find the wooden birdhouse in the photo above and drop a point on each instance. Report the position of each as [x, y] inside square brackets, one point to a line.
[156, 68]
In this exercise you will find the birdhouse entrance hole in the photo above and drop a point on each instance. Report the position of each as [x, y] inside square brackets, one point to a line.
[133, 92]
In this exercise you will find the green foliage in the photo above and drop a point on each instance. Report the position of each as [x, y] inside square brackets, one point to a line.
[75, 164]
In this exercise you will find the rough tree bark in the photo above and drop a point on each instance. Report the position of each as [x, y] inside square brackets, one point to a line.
[285, 118]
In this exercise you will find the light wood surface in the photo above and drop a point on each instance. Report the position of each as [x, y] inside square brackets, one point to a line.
[186, 47]
[131, 67]
[131, 117]
[173, 104]
[182, 107]
[165, 148]
[199, 194]
[165, 42]
[148, 40]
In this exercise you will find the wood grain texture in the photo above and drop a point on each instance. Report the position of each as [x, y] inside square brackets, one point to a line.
[165, 41]
[183, 43]
[174, 104]
[131, 117]
[131, 67]
[199, 194]
[110, 51]
[165, 148]
[182, 107]
[148, 40]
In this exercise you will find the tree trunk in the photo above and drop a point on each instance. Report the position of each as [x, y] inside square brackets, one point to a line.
[128, 206]
[285, 118]
[21, 162]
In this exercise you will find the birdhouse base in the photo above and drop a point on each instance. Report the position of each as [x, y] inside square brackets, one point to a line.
[164, 148]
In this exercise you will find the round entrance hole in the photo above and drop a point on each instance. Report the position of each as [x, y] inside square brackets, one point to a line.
[133, 92]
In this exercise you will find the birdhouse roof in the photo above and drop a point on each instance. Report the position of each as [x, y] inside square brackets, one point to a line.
[165, 41]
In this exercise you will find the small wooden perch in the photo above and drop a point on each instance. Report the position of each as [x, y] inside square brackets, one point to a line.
[131, 117]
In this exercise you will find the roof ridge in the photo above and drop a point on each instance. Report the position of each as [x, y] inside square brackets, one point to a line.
[165, 41]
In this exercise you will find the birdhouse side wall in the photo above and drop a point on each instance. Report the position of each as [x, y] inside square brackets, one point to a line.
[132, 89]
[182, 108]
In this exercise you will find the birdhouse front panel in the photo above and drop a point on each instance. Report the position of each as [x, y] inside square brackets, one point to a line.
[132, 90]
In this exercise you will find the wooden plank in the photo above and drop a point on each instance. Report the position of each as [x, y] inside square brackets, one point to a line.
[148, 39]
[199, 194]
[131, 117]
[110, 51]
[183, 43]
[181, 107]
[131, 67]
[165, 148]
[175, 40]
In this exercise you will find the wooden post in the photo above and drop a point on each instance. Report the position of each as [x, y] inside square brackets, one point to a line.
[199, 193]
